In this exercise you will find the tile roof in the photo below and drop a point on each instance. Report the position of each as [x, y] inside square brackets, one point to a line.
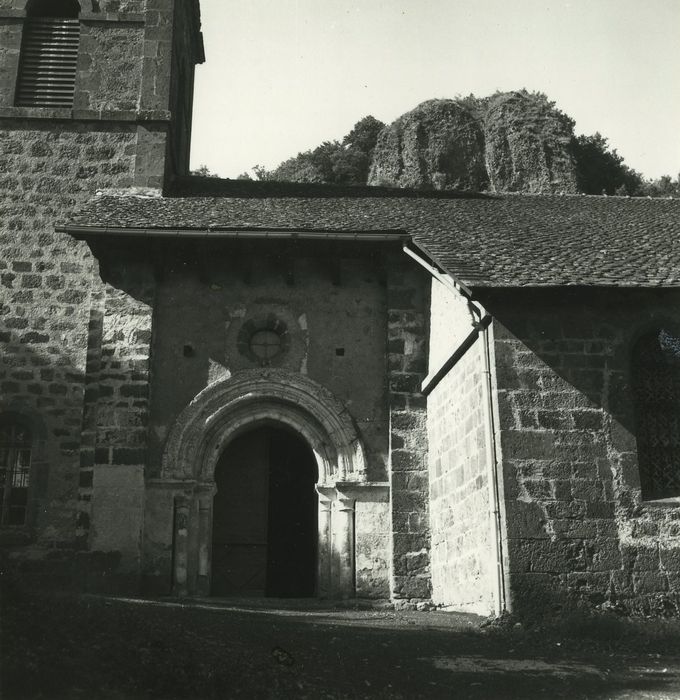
[504, 241]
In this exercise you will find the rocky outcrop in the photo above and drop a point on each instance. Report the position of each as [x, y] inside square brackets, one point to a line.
[438, 145]
[509, 142]
[528, 145]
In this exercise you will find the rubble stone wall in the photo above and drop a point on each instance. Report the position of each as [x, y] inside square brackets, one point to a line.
[206, 305]
[407, 355]
[47, 169]
[53, 307]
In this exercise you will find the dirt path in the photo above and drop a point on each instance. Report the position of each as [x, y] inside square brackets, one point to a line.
[121, 648]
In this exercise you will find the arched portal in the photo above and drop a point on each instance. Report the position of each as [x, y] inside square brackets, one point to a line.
[219, 416]
[264, 534]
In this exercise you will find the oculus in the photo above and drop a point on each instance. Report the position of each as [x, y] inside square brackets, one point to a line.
[264, 340]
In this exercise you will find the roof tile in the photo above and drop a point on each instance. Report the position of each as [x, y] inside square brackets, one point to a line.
[513, 240]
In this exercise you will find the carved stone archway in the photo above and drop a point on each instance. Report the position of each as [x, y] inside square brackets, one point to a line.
[242, 402]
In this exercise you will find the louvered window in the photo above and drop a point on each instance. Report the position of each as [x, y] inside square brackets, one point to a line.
[656, 387]
[49, 56]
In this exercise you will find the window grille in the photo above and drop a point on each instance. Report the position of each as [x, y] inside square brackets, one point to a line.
[49, 56]
[15, 468]
[656, 387]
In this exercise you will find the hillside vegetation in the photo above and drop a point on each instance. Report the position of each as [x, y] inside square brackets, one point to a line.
[507, 142]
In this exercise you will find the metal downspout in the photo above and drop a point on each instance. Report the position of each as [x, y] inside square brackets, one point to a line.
[500, 597]
[501, 602]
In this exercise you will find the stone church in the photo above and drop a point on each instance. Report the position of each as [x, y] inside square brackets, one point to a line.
[214, 387]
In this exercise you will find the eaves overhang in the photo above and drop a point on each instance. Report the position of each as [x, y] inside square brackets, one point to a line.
[99, 232]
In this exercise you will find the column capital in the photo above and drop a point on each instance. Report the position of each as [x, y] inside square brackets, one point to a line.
[345, 503]
[205, 491]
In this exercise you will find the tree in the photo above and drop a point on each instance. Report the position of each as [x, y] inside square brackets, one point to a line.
[353, 162]
[364, 134]
[664, 186]
[601, 171]
[333, 162]
[203, 171]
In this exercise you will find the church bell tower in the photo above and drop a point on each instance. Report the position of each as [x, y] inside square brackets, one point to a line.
[94, 94]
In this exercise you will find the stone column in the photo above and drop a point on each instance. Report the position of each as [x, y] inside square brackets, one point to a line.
[343, 547]
[324, 545]
[205, 514]
[181, 546]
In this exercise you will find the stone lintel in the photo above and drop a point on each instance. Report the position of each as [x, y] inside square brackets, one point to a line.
[373, 491]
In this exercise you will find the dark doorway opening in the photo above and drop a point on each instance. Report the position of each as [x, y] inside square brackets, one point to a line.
[265, 516]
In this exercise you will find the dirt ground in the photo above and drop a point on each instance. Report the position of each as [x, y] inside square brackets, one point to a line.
[114, 648]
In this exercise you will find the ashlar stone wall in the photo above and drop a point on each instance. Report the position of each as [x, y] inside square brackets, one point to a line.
[577, 525]
[463, 563]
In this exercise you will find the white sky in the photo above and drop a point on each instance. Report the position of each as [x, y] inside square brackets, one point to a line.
[284, 75]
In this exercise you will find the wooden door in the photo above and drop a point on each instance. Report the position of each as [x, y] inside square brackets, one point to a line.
[239, 556]
[265, 517]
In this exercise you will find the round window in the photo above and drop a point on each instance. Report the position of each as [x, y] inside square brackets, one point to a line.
[265, 344]
[264, 340]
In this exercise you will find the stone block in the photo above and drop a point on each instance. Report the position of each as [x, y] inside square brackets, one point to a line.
[525, 520]
[649, 582]
[640, 558]
[409, 501]
[587, 420]
[534, 593]
[405, 383]
[537, 489]
[599, 509]
[575, 529]
[670, 559]
[405, 543]
[402, 460]
[586, 490]
[519, 444]
[604, 555]
[546, 556]
[117, 512]
[554, 420]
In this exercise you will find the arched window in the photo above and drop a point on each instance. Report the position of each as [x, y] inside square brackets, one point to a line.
[49, 54]
[656, 388]
[15, 469]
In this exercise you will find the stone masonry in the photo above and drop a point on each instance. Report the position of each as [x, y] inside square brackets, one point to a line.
[407, 301]
[462, 551]
[577, 527]
[51, 162]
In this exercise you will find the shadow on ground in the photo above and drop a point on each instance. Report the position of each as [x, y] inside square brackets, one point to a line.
[91, 647]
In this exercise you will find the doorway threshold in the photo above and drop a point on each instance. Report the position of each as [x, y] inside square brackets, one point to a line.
[292, 604]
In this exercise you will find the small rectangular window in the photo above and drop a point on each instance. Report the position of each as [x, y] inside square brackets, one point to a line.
[15, 468]
[655, 377]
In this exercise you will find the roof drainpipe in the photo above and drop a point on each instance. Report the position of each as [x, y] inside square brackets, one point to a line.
[481, 325]
[501, 603]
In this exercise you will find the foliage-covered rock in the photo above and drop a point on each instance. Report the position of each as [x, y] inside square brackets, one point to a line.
[529, 144]
[510, 142]
[439, 145]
